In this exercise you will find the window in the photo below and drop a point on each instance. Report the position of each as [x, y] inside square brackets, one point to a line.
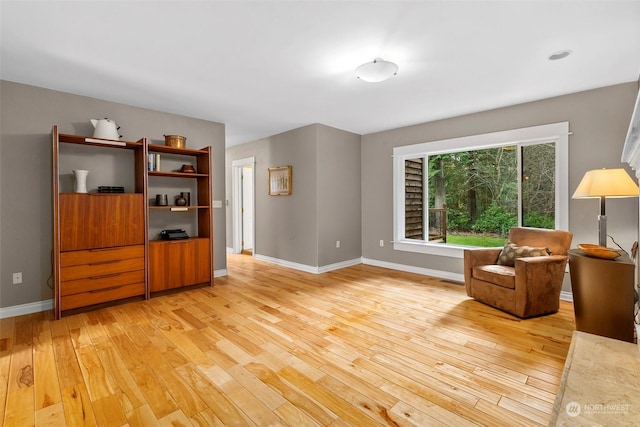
[469, 191]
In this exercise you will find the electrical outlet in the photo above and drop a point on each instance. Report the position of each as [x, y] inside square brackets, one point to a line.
[17, 278]
[381, 243]
[337, 243]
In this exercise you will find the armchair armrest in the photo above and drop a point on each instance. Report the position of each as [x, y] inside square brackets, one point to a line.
[538, 283]
[474, 257]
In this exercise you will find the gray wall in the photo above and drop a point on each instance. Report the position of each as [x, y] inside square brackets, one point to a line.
[599, 120]
[26, 118]
[325, 205]
[339, 192]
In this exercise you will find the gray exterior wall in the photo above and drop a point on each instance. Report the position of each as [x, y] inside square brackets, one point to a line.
[26, 118]
[325, 205]
[599, 120]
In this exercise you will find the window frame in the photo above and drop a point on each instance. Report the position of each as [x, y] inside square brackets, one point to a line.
[554, 132]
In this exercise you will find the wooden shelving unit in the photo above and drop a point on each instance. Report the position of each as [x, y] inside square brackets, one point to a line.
[101, 247]
[99, 240]
[195, 255]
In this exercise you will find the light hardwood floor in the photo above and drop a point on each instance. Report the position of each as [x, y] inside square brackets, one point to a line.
[269, 346]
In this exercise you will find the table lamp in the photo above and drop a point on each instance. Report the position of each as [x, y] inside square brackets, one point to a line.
[603, 184]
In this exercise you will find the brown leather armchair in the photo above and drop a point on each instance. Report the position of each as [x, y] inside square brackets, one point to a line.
[532, 286]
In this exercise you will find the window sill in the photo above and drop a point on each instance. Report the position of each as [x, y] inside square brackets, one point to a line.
[451, 251]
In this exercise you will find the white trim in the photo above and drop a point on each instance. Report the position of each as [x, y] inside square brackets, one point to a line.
[220, 273]
[339, 265]
[447, 275]
[32, 307]
[566, 296]
[236, 191]
[308, 268]
[631, 149]
[557, 132]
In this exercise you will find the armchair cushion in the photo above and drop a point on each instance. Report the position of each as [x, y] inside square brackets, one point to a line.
[511, 252]
[500, 275]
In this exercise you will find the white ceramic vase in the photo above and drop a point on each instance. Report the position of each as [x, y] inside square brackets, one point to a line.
[81, 180]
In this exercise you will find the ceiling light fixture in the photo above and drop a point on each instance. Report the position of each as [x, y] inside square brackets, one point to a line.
[376, 71]
[559, 55]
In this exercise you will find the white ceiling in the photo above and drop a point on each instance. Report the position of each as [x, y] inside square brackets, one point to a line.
[265, 67]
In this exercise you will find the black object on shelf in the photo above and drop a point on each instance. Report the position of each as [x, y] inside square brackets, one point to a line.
[110, 189]
[174, 234]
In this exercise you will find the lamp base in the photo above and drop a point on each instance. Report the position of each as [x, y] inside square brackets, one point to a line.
[602, 230]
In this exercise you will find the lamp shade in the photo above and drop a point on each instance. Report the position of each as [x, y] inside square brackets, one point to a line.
[376, 71]
[606, 183]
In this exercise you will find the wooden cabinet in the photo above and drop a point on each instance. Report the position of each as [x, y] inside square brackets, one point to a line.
[177, 263]
[96, 220]
[99, 240]
[101, 246]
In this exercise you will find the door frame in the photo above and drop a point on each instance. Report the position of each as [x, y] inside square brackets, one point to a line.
[236, 213]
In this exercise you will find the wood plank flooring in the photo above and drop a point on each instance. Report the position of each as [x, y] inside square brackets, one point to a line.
[270, 346]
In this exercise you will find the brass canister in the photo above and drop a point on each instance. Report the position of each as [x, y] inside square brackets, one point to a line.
[175, 141]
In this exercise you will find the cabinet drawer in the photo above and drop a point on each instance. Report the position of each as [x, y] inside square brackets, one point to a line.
[101, 268]
[103, 295]
[68, 259]
[96, 283]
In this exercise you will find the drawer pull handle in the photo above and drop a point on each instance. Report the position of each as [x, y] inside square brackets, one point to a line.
[113, 261]
[173, 242]
[100, 249]
[95, 291]
[104, 276]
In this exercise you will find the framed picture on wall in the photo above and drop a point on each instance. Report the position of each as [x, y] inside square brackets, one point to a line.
[280, 181]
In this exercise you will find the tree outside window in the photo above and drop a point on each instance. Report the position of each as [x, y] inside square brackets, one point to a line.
[475, 196]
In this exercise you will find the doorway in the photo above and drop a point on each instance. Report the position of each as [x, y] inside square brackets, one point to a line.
[243, 183]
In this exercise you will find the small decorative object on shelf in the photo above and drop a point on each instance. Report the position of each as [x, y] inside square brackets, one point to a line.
[187, 197]
[111, 189]
[175, 141]
[81, 180]
[162, 200]
[105, 128]
[187, 169]
[181, 201]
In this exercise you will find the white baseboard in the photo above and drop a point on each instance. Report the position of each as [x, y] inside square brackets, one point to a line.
[22, 309]
[36, 307]
[308, 268]
[566, 296]
[418, 270]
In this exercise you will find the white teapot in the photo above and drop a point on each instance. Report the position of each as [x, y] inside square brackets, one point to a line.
[105, 128]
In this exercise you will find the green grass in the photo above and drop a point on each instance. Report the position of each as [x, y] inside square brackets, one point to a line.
[475, 240]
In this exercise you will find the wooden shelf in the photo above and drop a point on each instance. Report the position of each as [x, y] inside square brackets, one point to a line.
[99, 142]
[177, 174]
[179, 151]
[178, 207]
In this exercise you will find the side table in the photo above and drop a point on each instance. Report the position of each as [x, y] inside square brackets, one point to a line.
[603, 294]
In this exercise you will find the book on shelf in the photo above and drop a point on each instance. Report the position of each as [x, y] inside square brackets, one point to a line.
[153, 162]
